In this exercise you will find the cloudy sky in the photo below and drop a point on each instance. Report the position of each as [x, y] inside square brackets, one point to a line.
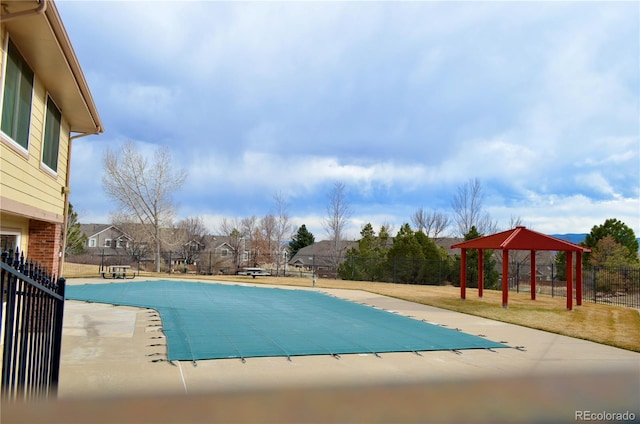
[403, 102]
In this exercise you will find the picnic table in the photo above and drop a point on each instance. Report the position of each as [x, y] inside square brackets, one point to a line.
[118, 271]
[254, 272]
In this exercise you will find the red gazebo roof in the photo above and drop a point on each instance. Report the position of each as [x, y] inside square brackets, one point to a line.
[520, 238]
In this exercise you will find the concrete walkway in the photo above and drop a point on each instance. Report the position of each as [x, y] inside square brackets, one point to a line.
[116, 354]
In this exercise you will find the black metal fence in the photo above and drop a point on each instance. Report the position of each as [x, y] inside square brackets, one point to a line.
[30, 327]
[609, 285]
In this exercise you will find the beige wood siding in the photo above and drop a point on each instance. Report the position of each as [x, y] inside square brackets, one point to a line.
[23, 179]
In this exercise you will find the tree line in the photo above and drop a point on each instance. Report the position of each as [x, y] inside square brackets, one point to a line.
[142, 192]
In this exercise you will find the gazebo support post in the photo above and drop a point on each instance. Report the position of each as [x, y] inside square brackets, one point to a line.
[480, 272]
[569, 255]
[533, 275]
[578, 278]
[505, 277]
[463, 274]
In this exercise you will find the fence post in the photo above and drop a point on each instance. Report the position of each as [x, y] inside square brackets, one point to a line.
[517, 277]
[6, 389]
[353, 271]
[57, 336]
[594, 272]
[395, 261]
[553, 277]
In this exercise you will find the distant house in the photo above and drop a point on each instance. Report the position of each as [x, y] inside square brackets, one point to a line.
[221, 257]
[208, 255]
[105, 238]
[317, 257]
[45, 103]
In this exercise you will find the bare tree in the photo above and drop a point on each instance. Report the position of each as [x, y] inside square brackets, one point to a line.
[248, 228]
[515, 221]
[231, 228]
[419, 219]
[139, 244]
[189, 235]
[338, 214]
[437, 224]
[267, 229]
[468, 209]
[143, 189]
[518, 258]
[283, 230]
[433, 224]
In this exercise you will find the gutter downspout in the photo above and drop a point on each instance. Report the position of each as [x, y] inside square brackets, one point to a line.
[66, 190]
[39, 10]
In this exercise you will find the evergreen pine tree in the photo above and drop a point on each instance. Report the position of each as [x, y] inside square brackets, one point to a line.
[301, 239]
[76, 241]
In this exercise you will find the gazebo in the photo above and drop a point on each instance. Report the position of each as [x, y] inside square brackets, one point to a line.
[521, 238]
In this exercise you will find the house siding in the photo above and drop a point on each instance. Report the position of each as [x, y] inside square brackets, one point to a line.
[31, 196]
[24, 180]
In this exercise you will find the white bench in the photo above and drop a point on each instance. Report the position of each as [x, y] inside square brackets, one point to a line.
[254, 272]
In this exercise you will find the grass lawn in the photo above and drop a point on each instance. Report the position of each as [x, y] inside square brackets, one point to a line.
[607, 324]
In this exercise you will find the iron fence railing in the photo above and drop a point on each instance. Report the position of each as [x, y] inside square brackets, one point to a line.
[30, 328]
[610, 285]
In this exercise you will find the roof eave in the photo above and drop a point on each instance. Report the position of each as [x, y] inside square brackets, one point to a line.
[45, 45]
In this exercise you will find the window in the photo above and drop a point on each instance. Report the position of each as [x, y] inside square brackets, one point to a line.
[107, 243]
[51, 141]
[224, 252]
[9, 240]
[122, 244]
[92, 242]
[16, 101]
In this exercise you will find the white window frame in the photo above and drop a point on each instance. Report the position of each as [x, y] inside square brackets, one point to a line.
[44, 135]
[4, 136]
[107, 243]
[17, 235]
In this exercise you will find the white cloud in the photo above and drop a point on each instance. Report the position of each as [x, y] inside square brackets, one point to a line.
[402, 101]
[553, 214]
[596, 181]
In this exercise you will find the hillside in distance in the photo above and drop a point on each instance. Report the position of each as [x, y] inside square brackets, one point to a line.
[571, 237]
[575, 238]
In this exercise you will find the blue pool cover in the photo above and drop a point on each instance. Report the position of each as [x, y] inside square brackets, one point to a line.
[214, 321]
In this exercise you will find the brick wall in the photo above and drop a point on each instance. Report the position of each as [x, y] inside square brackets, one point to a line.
[44, 244]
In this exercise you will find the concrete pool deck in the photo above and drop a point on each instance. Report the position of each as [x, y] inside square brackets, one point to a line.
[116, 354]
